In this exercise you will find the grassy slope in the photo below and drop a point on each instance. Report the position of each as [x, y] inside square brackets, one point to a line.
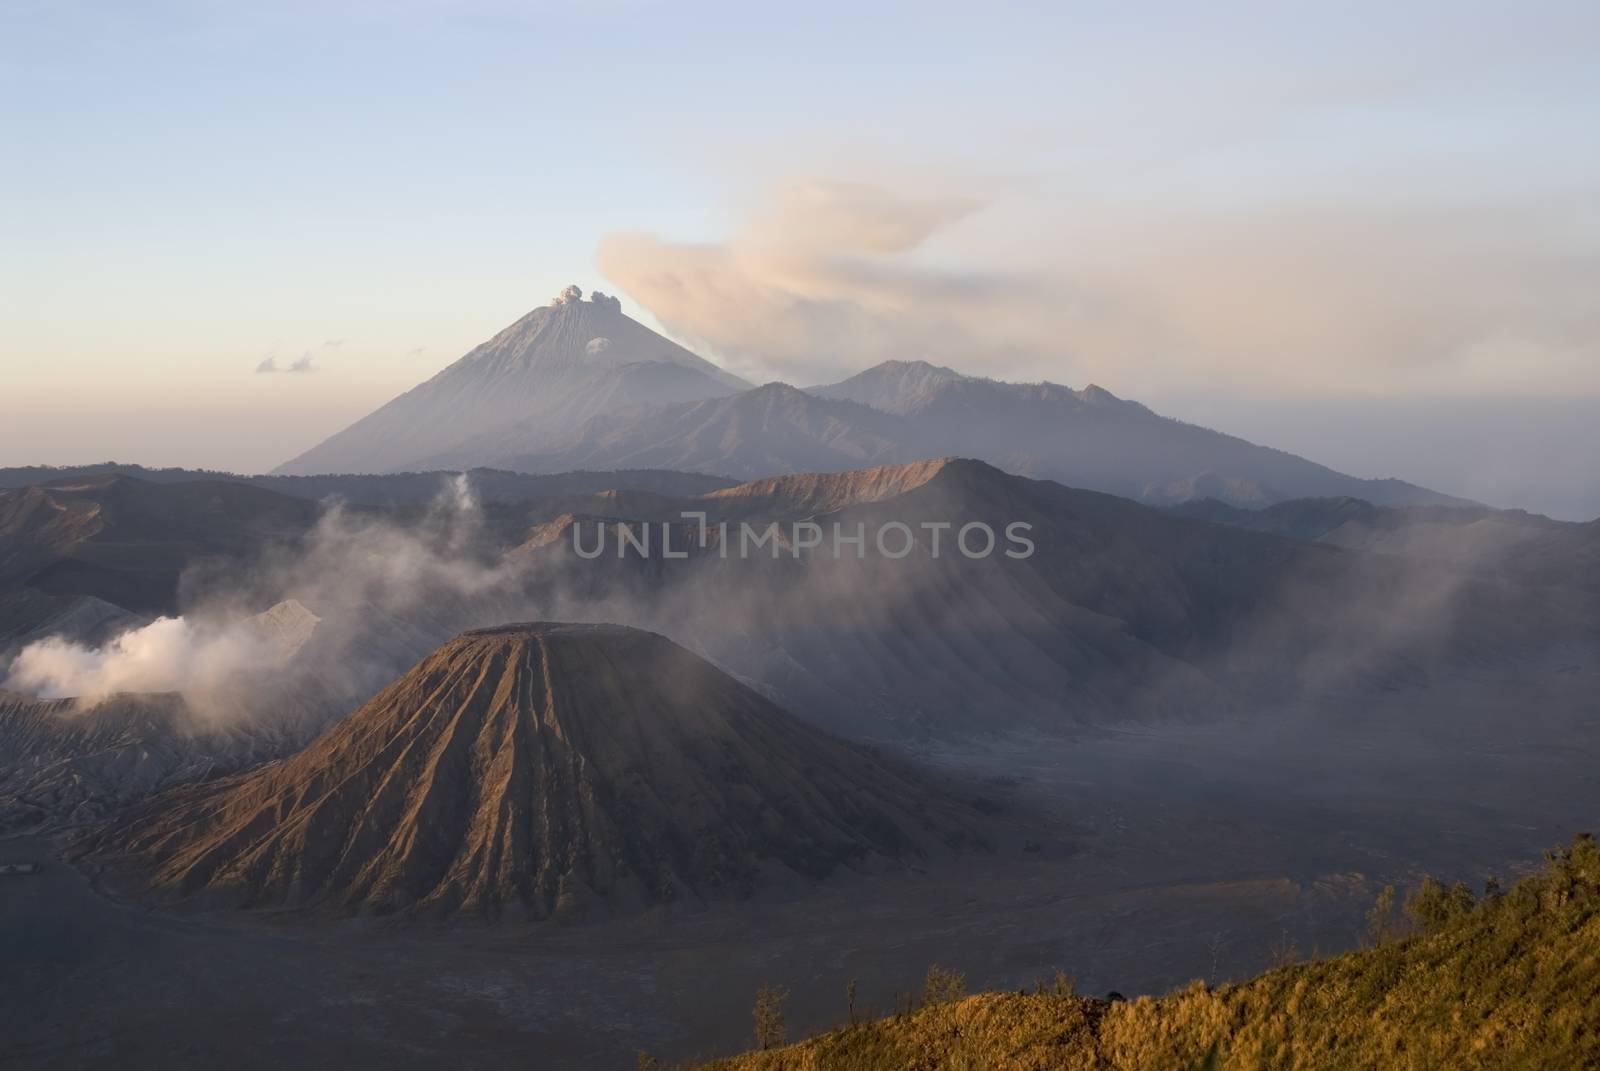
[1512, 982]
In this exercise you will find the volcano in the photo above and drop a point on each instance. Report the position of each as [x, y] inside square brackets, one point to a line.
[538, 379]
[534, 771]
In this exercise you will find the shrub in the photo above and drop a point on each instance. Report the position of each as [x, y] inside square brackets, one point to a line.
[943, 985]
[771, 1028]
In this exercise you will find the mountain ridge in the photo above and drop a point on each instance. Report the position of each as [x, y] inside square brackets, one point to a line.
[576, 384]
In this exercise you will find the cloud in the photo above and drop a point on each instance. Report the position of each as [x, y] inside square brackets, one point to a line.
[823, 280]
[301, 365]
[1383, 293]
[363, 593]
[169, 654]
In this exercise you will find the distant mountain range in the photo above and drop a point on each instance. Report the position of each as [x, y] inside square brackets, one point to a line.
[388, 489]
[579, 385]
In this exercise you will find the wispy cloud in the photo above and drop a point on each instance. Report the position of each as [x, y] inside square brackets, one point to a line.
[1390, 293]
[301, 365]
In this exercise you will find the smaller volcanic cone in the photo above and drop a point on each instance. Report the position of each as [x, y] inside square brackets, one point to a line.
[538, 770]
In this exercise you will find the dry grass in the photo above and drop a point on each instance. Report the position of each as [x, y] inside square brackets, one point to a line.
[1511, 981]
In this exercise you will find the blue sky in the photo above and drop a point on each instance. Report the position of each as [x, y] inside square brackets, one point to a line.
[1214, 208]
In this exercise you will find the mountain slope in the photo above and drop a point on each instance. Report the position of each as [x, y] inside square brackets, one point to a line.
[539, 769]
[772, 429]
[1508, 544]
[605, 394]
[1091, 438]
[68, 765]
[1510, 982]
[805, 493]
[127, 541]
[901, 387]
[1119, 612]
[557, 363]
[902, 411]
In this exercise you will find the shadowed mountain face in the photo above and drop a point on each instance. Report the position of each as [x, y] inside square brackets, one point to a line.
[1093, 439]
[75, 765]
[901, 387]
[902, 411]
[127, 542]
[1120, 613]
[556, 366]
[538, 770]
[772, 429]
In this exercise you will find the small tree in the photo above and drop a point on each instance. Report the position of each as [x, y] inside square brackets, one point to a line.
[1432, 904]
[943, 985]
[1380, 917]
[1216, 947]
[771, 1028]
[1285, 952]
[850, 999]
[1062, 986]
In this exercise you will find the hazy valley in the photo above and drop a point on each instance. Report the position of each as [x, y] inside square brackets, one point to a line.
[315, 758]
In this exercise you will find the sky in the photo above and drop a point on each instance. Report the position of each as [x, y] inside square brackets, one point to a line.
[1368, 233]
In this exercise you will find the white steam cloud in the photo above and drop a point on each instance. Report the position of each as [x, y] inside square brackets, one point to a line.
[168, 655]
[351, 604]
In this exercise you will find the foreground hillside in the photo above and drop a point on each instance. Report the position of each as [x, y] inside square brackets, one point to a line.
[1512, 981]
